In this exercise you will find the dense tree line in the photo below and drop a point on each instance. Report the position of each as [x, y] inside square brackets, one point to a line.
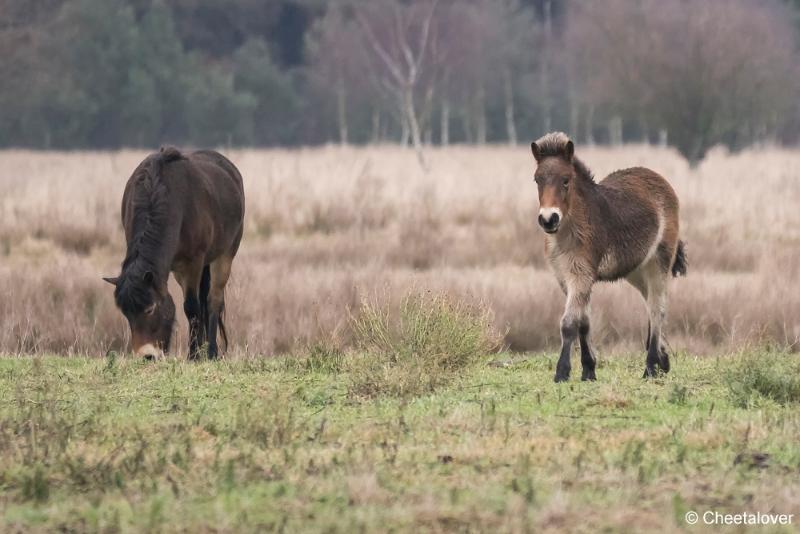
[111, 73]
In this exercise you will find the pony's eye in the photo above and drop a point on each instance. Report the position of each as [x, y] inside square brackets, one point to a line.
[566, 182]
[151, 309]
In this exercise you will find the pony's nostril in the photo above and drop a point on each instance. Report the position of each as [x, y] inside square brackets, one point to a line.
[549, 223]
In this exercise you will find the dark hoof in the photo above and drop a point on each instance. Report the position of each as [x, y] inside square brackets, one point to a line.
[588, 376]
[663, 361]
[149, 358]
[651, 372]
[561, 378]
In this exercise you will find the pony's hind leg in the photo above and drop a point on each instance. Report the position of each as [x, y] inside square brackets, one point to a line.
[651, 283]
[657, 357]
[220, 273]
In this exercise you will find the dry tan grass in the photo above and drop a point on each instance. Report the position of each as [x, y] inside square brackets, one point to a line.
[328, 227]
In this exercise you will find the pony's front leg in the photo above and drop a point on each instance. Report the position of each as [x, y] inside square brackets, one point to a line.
[575, 311]
[588, 359]
[188, 276]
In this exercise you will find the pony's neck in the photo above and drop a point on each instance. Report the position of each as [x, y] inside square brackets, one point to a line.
[583, 209]
[583, 172]
[156, 229]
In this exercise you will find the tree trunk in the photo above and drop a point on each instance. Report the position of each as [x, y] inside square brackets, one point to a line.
[544, 72]
[341, 111]
[662, 137]
[574, 112]
[404, 131]
[511, 127]
[411, 119]
[445, 126]
[615, 130]
[426, 120]
[480, 117]
[574, 119]
[376, 126]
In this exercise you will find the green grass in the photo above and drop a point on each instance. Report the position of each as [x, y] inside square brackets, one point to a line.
[758, 377]
[281, 444]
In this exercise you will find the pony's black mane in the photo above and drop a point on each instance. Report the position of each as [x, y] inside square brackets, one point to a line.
[582, 170]
[555, 145]
[150, 219]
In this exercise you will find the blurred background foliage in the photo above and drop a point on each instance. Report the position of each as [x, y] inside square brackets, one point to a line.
[111, 73]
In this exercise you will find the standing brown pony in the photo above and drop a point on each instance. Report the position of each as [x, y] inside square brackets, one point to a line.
[185, 214]
[626, 226]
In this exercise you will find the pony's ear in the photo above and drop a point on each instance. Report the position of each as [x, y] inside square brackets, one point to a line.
[148, 277]
[535, 150]
[112, 281]
[569, 150]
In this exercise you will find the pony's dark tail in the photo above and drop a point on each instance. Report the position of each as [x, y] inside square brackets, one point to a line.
[681, 263]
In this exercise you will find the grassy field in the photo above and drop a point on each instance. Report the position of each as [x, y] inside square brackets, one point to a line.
[290, 444]
[392, 352]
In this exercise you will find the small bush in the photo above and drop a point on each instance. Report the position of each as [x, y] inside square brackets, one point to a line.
[679, 395]
[770, 375]
[418, 347]
[323, 357]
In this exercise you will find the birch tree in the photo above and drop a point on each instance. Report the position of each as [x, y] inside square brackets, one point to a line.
[398, 36]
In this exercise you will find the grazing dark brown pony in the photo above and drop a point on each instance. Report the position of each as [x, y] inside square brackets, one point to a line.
[185, 214]
[626, 226]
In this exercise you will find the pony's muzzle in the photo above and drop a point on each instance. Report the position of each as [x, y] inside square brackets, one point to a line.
[549, 219]
[149, 352]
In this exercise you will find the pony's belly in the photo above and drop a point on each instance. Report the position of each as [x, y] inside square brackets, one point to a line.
[608, 269]
[613, 266]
